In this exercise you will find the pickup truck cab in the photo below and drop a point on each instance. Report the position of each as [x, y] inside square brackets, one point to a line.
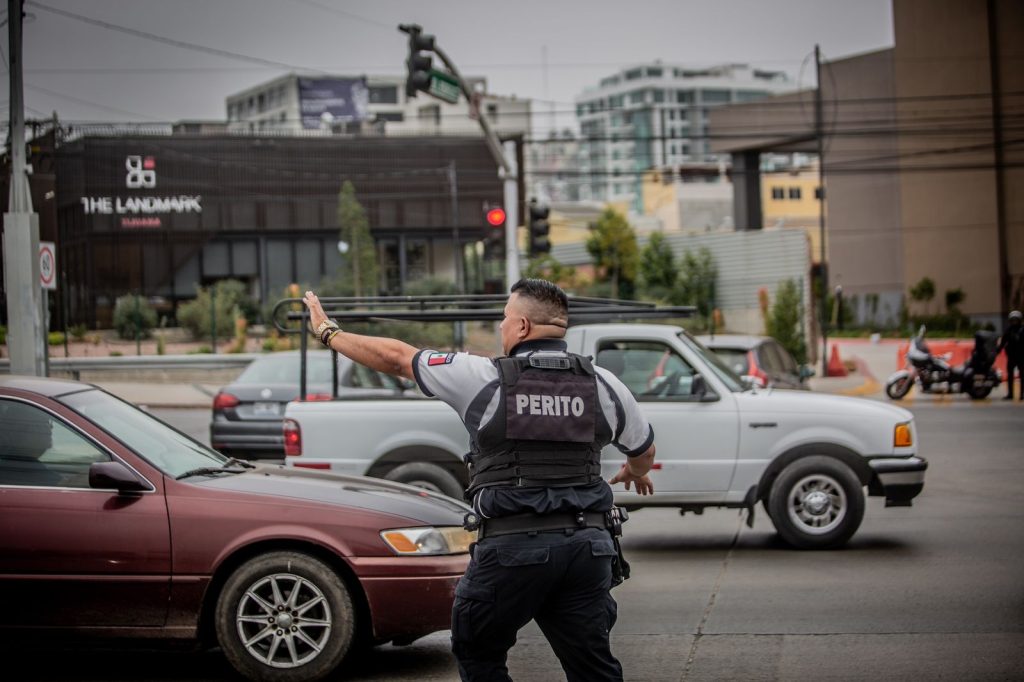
[807, 457]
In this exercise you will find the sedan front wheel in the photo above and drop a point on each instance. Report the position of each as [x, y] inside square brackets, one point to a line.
[285, 617]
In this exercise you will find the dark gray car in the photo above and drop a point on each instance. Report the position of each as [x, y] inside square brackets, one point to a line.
[247, 413]
[760, 358]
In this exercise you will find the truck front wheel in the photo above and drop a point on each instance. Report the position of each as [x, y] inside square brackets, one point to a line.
[428, 476]
[816, 503]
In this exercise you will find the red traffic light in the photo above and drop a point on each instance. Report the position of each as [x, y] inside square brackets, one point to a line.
[496, 216]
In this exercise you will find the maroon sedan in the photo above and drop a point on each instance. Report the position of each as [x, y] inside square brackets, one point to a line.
[113, 523]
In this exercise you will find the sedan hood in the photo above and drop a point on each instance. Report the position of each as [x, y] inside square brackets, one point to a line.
[808, 402]
[372, 494]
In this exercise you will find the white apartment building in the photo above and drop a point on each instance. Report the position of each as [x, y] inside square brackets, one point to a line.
[285, 104]
[656, 116]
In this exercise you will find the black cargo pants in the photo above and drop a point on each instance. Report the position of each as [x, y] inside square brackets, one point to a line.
[561, 581]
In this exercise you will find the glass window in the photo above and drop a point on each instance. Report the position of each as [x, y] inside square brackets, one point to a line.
[684, 96]
[633, 73]
[40, 450]
[383, 94]
[654, 71]
[721, 370]
[652, 371]
[283, 368]
[417, 259]
[637, 96]
[778, 193]
[768, 358]
[794, 192]
[659, 95]
[364, 377]
[818, 194]
[786, 361]
[714, 96]
[735, 358]
[167, 449]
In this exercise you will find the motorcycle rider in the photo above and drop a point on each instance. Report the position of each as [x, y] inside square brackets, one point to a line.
[1012, 341]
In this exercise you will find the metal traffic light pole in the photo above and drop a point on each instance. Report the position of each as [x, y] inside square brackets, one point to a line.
[506, 159]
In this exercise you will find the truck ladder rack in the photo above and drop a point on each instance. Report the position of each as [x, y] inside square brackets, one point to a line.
[447, 308]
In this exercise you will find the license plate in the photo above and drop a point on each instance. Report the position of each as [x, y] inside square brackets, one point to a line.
[266, 409]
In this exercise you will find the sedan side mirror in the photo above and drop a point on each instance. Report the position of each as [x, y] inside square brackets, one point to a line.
[116, 476]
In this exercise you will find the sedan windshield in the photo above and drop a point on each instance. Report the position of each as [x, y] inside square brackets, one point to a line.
[172, 452]
[284, 369]
[717, 365]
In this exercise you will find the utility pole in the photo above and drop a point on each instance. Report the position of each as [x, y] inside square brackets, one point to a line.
[823, 267]
[453, 191]
[21, 229]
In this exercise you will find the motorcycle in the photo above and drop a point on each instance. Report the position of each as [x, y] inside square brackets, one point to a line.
[933, 374]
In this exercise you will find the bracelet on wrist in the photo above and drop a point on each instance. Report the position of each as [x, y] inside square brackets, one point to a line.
[329, 335]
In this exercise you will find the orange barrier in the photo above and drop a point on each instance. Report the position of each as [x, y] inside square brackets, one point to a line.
[836, 368]
[960, 348]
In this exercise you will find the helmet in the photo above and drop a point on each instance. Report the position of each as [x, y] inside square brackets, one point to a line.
[1015, 315]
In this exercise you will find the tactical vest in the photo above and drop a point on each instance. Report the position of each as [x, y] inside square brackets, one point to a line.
[548, 430]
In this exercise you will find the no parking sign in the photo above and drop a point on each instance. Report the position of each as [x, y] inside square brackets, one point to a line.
[47, 265]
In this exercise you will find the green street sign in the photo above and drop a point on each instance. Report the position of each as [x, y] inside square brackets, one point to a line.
[444, 86]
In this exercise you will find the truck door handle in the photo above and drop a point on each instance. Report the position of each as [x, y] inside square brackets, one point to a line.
[763, 425]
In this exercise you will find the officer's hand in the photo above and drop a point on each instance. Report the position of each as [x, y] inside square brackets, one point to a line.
[316, 311]
[644, 485]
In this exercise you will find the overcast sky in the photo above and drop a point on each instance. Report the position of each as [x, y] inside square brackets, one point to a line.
[89, 73]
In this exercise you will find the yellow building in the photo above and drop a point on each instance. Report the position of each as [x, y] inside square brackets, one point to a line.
[790, 199]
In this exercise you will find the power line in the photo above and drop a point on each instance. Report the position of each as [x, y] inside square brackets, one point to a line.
[167, 41]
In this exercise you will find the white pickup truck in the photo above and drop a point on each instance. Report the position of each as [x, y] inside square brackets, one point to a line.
[807, 457]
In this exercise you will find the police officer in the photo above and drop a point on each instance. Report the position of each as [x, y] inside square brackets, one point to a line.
[538, 419]
[1012, 342]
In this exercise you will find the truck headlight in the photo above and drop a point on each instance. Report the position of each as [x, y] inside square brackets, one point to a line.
[902, 436]
[445, 540]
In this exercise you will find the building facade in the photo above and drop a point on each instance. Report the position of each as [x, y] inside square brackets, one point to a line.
[368, 104]
[656, 116]
[161, 215]
[922, 175]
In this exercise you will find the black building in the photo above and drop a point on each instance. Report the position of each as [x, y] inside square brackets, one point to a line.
[160, 214]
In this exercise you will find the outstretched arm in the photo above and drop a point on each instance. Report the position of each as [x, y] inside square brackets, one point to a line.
[390, 356]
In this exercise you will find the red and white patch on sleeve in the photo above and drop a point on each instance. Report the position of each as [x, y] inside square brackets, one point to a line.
[435, 359]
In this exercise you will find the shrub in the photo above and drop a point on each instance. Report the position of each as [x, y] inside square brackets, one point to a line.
[202, 350]
[55, 338]
[232, 301]
[783, 322]
[116, 353]
[78, 332]
[161, 344]
[133, 313]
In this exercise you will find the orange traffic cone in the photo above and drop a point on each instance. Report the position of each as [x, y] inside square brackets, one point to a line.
[835, 365]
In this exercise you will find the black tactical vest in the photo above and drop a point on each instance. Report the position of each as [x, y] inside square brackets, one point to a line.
[548, 430]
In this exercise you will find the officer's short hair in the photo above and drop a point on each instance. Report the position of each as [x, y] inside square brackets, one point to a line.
[548, 297]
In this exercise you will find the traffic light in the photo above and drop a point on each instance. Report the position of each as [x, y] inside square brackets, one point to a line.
[494, 230]
[418, 64]
[539, 229]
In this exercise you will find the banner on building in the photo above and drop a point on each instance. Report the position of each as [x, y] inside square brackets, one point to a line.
[323, 101]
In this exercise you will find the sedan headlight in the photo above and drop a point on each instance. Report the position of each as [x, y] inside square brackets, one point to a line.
[445, 540]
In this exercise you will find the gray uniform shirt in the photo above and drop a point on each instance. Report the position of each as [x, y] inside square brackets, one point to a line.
[470, 383]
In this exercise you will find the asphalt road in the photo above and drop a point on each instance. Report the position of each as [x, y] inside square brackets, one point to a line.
[932, 592]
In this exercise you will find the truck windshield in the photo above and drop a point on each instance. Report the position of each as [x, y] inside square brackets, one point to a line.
[715, 363]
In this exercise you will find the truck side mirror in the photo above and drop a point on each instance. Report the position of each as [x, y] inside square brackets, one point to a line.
[699, 387]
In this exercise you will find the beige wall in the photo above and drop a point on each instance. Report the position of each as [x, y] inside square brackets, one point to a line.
[948, 180]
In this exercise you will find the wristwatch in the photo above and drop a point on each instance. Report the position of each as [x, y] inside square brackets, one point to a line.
[324, 325]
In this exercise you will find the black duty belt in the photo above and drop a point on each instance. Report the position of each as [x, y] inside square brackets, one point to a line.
[536, 523]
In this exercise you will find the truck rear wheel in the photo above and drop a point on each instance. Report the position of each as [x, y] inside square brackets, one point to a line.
[428, 476]
[816, 503]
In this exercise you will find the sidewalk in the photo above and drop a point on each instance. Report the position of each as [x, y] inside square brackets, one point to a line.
[152, 394]
[874, 361]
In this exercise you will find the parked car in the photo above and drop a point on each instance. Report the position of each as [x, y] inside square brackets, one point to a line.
[760, 359]
[114, 523]
[247, 413]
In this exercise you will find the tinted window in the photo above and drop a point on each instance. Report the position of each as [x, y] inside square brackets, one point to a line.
[284, 369]
[735, 358]
[650, 370]
[170, 451]
[787, 362]
[768, 358]
[36, 449]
